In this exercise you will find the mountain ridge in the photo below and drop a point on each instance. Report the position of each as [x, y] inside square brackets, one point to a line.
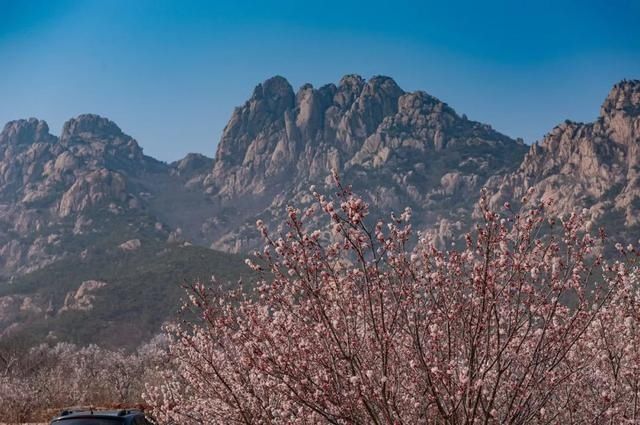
[595, 166]
[91, 193]
[365, 129]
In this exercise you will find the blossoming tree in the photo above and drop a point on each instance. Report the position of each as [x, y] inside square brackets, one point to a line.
[525, 322]
[38, 382]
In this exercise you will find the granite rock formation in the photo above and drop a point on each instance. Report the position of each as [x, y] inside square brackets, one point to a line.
[400, 149]
[587, 165]
[89, 206]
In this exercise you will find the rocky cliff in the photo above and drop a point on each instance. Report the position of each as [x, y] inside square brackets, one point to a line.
[400, 149]
[55, 191]
[587, 165]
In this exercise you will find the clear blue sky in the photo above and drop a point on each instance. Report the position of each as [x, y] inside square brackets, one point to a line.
[170, 72]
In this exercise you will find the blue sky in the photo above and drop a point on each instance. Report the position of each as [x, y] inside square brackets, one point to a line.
[170, 72]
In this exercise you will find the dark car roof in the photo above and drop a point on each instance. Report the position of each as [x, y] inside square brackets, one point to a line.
[123, 416]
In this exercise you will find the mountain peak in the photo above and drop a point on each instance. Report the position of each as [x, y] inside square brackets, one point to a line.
[369, 130]
[191, 164]
[381, 80]
[624, 96]
[91, 124]
[274, 87]
[383, 86]
[277, 82]
[25, 132]
[590, 165]
[352, 80]
[275, 94]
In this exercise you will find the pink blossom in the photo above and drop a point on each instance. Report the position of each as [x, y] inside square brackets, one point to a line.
[524, 324]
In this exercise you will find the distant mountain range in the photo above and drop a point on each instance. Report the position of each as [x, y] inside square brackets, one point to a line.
[78, 207]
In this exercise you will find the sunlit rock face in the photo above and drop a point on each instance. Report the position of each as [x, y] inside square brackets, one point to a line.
[587, 165]
[400, 149]
[49, 186]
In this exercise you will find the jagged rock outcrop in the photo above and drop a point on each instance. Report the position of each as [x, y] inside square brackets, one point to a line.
[26, 132]
[587, 165]
[91, 189]
[48, 185]
[130, 245]
[402, 149]
[82, 299]
[192, 164]
[277, 133]
[192, 169]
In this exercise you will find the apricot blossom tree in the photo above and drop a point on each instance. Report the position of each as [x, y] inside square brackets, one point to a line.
[522, 322]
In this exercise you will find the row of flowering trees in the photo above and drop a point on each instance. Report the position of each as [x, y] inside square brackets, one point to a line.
[35, 383]
[359, 323]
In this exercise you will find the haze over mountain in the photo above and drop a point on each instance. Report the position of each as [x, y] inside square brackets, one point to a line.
[85, 214]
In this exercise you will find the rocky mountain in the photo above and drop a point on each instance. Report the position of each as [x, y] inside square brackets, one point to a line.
[61, 196]
[91, 243]
[89, 206]
[47, 183]
[587, 165]
[401, 149]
